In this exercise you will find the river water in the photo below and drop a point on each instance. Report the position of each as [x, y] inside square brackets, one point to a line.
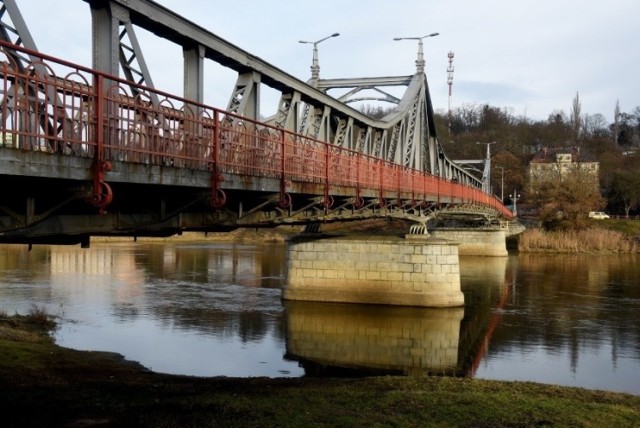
[214, 309]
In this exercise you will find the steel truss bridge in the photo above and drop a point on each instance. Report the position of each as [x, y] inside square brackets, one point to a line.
[100, 151]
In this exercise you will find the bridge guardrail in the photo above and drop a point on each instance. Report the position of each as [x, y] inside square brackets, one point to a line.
[66, 109]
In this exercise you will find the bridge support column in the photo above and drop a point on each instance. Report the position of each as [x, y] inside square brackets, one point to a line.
[414, 271]
[475, 242]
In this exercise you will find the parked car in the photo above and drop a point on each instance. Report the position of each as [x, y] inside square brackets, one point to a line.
[598, 215]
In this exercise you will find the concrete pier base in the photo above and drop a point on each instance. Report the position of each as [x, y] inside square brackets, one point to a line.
[410, 271]
[475, 242]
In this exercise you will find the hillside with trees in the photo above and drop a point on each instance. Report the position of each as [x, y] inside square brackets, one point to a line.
[616, 146]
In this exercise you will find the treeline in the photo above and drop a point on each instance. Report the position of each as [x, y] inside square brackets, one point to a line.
[517, 139]
[616, 146]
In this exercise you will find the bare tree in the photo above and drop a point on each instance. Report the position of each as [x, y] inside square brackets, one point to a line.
[616, 123]
[564, 203]
[625, 189]
[595, 125]
[576, 119]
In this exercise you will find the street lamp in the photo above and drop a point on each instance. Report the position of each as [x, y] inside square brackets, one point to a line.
[515, 198]
[420, 60]
[486, 175]
[501, 183]
[315, 65]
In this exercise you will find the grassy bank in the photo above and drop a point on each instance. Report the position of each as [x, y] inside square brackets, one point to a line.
[45, 385]
[630, 228]
[594, 240]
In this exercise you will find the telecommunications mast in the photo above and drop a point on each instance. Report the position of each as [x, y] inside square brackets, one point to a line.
[450, 80]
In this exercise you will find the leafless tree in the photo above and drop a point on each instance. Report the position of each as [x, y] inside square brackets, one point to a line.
[595, 125]
[616, 123]
[576, 119]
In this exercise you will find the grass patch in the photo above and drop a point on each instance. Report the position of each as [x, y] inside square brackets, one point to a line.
[45, 385]
[630, 228]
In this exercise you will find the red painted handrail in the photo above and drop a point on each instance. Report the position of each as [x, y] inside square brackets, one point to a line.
[92, 114]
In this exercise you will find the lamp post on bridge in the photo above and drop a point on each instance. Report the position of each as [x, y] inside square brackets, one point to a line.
[315, 65]
[420, 61]
[486, 174]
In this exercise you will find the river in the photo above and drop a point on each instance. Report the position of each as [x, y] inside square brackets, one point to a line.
[214, 309]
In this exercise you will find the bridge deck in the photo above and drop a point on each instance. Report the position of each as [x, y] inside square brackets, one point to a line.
[93, 137]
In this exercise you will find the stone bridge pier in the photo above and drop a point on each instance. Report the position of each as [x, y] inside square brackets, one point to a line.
[475, 242]
[414, 270]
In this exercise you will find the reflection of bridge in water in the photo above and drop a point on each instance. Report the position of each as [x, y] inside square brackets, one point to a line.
[487, 287]
[324, 338]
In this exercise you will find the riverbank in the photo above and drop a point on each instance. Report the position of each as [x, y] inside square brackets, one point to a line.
[42, 385]
[604, 237]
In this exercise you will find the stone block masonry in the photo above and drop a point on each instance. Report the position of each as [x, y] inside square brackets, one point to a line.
[475, 242]
[410, 271]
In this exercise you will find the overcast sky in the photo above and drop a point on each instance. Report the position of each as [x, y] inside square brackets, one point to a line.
[530, 56]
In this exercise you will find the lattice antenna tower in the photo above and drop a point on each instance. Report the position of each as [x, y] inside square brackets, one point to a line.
[450, 80]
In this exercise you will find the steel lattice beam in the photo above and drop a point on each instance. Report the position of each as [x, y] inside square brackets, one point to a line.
[407, 136]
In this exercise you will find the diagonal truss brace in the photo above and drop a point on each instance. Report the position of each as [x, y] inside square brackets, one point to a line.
[13, 29]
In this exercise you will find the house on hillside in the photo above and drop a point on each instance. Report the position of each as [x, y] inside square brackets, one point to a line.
[556, 164]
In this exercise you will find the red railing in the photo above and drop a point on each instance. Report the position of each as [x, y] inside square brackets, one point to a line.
[91, 114]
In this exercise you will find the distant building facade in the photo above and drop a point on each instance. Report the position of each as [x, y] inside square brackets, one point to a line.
[556, 164]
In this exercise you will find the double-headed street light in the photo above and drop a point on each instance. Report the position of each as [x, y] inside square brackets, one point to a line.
[515, 198]
[420, 61]
[315, 65]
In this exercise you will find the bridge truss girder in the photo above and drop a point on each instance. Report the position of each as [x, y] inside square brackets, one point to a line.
[408, 137]
[49, 123]
[58, 217]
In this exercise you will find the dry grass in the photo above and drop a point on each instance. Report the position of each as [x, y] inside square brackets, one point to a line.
[593, 240]
[29, 328]
[16, 335]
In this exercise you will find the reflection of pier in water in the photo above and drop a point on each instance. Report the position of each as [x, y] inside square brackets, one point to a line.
[378, 339]
[334, 339]
[487, 285]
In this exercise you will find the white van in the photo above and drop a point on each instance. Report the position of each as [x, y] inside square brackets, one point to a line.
[598, 215]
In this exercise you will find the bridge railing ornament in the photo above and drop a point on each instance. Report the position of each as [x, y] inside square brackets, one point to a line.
[111, 125]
